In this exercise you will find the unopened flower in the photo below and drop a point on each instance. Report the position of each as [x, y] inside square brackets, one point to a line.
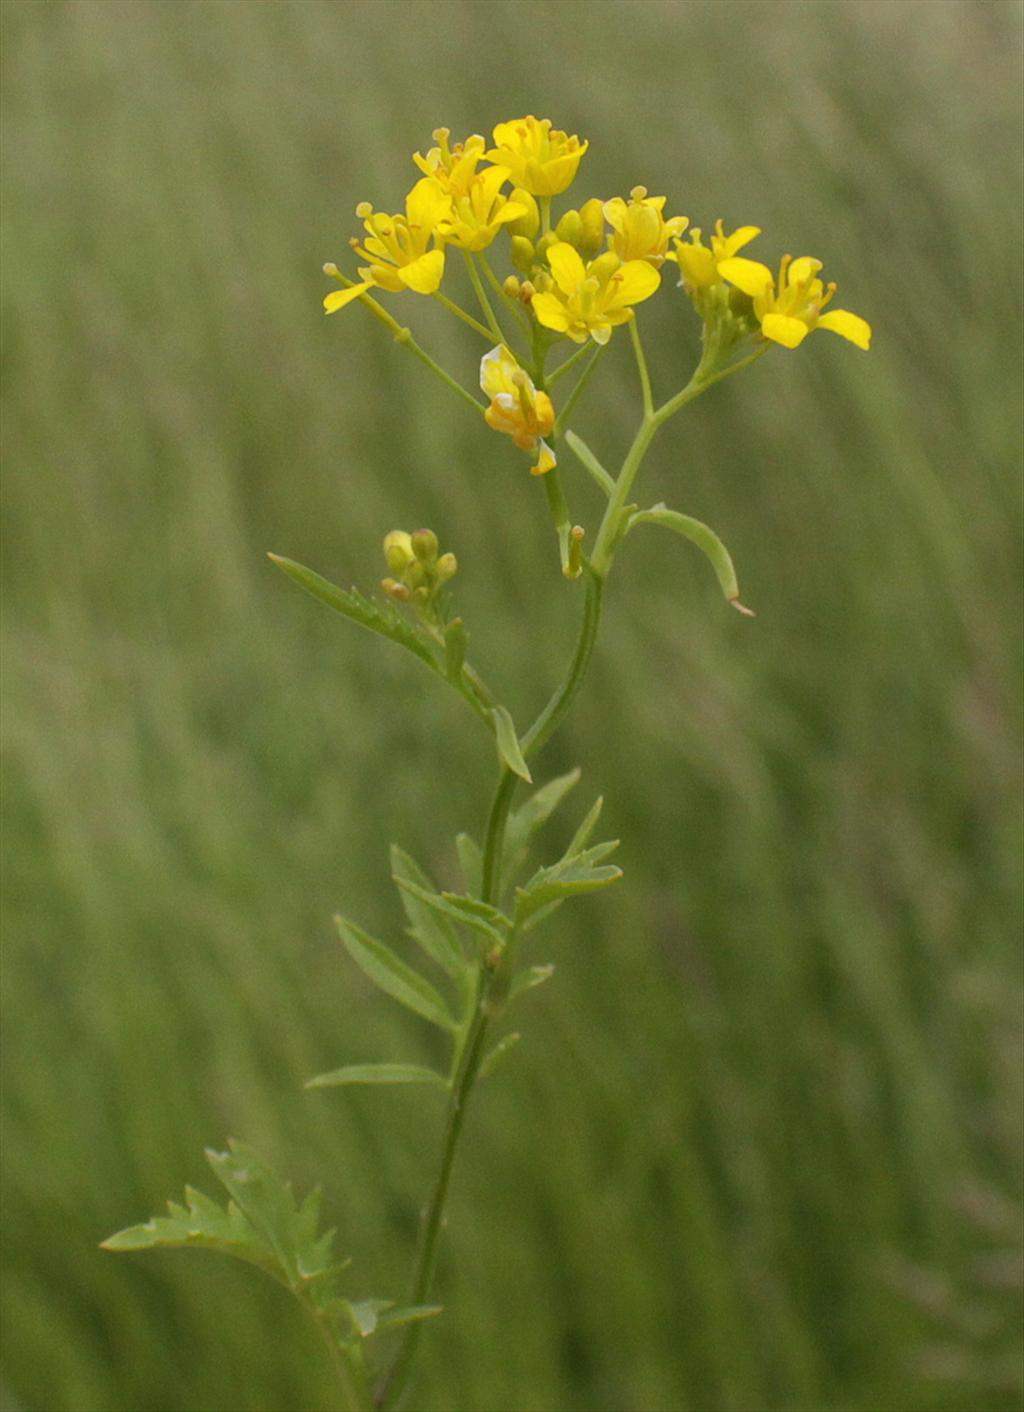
[699, 264]
[396, 247]
[517, 409]
[641, 232]
[790, 307]
[541, 160]
[590, 300]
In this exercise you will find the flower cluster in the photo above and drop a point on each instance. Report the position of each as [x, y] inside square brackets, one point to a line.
[576, 277]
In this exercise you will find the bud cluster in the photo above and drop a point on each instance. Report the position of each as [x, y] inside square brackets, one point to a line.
[418, 571]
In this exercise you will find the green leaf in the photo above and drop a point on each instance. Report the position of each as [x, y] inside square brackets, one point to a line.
[704, 538]
[370, 1316]
[456, 640]
[499, 1052]
[524, 822]
[440, 904]
[377, 1074]
[581, 837]
[408, 1314]
[385, 621]
[262, 1224]
[508, 743]
[567, 878]
[393, 976]
[471, 862]
[431, 931]
[526, 980]
[473, 907]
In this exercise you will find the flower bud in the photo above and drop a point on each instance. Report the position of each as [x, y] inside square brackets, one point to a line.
[395, 590]
[550, 239]
[424, 545]
[570, 228]
[592, 221]
[526, 291]
[529, 224]
[510, 287]
[416, 574]
[398, 550]
[522, 253]
[447, 568]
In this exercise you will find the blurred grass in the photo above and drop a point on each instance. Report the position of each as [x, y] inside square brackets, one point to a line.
[760, 1148]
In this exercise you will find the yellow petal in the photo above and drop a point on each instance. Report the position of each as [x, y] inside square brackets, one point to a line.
[566, 266]
[550, 311]
[848, 325]
[615, 213]
[496, 369]
[743, 236]
[636, 280]
[697, 264]
[338, 298]
[425, 274]
[803, 270]
[427, 203]
[546, 460]
[750, 276]
[782, 329]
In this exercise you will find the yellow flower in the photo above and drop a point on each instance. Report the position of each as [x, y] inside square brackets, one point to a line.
[517, 408]
[542, 161]
[789, 310]
[453, 167]
[479, 213]
[641, 231]
[592, 299]
[395, 247]
[699, 264]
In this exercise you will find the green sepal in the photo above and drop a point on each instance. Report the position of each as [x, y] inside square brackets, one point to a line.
[441, 904]
[385, 621]
[499, 1052]
[429, 930]
[393, 976]
[262, 1224]
[377, 1074]
[704, 538]
[508, 743]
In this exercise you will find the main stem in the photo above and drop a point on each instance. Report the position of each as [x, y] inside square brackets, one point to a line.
[393, 1382]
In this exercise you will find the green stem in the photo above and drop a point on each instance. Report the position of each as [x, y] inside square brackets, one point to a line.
[482, 300]
[393, 1382]
[405, 337]
[574, 395]
[461, 313]
[641, 363]
[570, 362]
[514, 305]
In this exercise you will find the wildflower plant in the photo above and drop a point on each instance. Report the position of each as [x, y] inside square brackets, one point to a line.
[551, 289]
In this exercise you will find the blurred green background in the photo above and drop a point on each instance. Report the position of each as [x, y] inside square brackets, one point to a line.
[760, 1148]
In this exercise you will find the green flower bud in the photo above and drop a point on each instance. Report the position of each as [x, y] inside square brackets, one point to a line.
[424, 545]
[447, 567]
[529, 224]
[510, 287]
[416, 574]
[570, 228]
[398, 550]
[522, 253]
[592, 221]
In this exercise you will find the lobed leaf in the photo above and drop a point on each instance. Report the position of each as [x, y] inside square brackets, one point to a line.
[569, 877]
[429, 929]
[524, 822]
[441, 904]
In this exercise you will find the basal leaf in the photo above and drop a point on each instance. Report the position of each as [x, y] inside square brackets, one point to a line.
[393, 976]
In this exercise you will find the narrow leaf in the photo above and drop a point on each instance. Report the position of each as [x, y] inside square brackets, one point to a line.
[431, 931]
[471, 862]
[704, 538]
[508, 743]
[474, 907]
[365, 1314]
[377, 1074]
[498, 1053]
[448, 909]
[526, 980]
[407, 1314]
[581, 837]
[524, 822]
[393, 976]
[386, 622]
[567, 878]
